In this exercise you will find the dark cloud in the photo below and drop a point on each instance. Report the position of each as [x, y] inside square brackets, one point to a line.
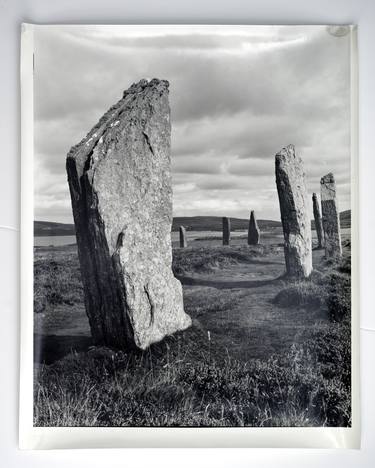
[237, 97]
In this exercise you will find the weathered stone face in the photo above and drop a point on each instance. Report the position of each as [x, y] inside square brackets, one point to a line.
[330, 216]
[226, 231]
[291, 188]
[183, 240]
[318, 221]
[253, 235]
[120, 184]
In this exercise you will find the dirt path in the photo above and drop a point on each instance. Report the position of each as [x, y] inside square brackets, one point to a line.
[249, 325]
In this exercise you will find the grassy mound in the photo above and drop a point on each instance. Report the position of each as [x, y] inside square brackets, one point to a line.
[300, 293]
[204, 259]
[330, 289]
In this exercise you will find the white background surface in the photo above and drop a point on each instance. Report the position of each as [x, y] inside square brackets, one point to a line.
[12, 13]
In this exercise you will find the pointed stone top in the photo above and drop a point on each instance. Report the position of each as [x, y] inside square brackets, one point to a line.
[287, 152]
[142, 84]
[253, 235]
[328, 179]
[110, 122]
[287, 156]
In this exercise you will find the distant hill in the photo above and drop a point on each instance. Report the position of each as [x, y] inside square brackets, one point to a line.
[215, 223]
[46, 228]
[191, 223]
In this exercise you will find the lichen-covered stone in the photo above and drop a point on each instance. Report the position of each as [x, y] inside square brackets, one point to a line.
[121, 191]
[253, 235]
[330, 216]
[183, 240]
[291, 188]
[318, 220]
[226, 231]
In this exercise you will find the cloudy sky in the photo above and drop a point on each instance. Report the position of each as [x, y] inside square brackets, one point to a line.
[237, 94]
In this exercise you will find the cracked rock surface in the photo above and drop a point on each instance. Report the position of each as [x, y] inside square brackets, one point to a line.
[318, 220]
[121, 190]
[330, 216]
[294, 209]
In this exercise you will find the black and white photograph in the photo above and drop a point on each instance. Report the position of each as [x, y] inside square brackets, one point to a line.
[192, 207]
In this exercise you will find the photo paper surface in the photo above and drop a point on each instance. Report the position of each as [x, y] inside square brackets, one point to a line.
[188, 221]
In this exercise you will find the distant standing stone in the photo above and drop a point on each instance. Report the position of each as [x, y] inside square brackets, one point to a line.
[121, 190]
[318, 220]
[291, 188]
[253, 235]
[330, 215]
[183, 240]
[226, 231]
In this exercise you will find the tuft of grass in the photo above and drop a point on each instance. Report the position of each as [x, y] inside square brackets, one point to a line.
[338, 296]
[57, 281]
[345, 266]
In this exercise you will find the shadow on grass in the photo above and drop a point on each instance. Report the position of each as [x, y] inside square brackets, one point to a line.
[51, 348]
[189, 281]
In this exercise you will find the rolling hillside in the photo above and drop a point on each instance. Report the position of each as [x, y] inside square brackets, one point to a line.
[191, 223]
[46, 228]
[194, 223]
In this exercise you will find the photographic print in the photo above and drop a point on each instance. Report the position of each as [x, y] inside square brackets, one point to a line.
[192, 226]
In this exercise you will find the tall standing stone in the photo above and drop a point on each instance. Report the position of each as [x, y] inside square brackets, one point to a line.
[318, 221]
[120, 184]
[226, 231]
[183, 240]
[331, 218]
[291, 188]
[253, 235]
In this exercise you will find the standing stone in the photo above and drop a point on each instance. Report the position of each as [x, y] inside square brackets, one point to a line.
[318, 221]
[331, 218]
[183, 240]
[291, 187]
[120, 184]
[253, 235]
[226, 231]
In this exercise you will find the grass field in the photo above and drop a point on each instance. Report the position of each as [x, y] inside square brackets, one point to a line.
[262, 351]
